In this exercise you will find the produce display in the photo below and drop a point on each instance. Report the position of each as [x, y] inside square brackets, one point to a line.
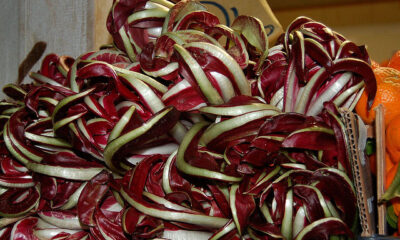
[388, 94]
[186, 124]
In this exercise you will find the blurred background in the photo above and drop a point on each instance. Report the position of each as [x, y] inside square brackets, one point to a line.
[375, 24]
[75, 27]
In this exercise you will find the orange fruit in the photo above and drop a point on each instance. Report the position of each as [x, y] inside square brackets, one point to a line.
[396, 205]
[387, 94]
[392, 139]
[372, 163]
[389, 164]
[387, 74]
[384, 63]
[394, 61]
[374, 64]
[390, 174]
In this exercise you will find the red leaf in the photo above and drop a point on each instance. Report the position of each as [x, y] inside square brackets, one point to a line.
[91, 196]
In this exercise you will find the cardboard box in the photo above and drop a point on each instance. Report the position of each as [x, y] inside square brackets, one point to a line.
[228, 10]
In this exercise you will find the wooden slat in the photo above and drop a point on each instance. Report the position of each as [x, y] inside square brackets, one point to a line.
[380, 168]
[9, 41]
[66, 27]
[370, 131]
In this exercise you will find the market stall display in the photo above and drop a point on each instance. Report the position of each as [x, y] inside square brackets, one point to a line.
[184, 123]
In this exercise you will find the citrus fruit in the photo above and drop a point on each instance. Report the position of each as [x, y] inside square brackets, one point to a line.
[387, 94]
[390, 174]
[374, 64]
[384, 63]
[393, 139]
[394, 61]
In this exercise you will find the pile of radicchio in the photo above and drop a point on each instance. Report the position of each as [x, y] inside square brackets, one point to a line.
[185, 124]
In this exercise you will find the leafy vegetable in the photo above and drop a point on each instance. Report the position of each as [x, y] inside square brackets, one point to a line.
[184, 124]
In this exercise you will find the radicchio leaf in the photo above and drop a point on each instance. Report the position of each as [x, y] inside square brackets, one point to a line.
[91, 196]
